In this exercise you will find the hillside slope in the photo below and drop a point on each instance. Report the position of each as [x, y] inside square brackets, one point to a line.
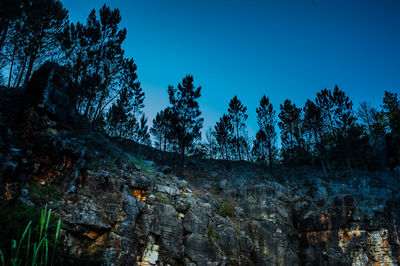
[222, 213]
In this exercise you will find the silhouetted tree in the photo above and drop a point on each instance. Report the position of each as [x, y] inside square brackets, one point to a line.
[339, 120]
[291, 134]
[120, 113]
[223, 131]
[28, 34]
[366, 114]
[93, 51]
[107, 54]
[160, 128]
[238, 116]
[264, 145]
[313, 124]
[391, 111]
[185, 123]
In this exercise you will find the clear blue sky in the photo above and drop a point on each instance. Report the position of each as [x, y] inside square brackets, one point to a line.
[281, 48]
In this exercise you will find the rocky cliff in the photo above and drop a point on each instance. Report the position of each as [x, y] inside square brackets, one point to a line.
[138, 212]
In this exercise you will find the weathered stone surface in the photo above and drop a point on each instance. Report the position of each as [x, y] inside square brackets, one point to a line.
[50, 89]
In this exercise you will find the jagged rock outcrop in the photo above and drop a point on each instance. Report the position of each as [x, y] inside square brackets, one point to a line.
[221, 213]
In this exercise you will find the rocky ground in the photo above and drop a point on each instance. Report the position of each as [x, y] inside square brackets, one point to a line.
[138, 212]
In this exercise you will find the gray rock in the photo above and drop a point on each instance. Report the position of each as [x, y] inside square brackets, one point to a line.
[223, 184]
[138, 167]
[166, 169]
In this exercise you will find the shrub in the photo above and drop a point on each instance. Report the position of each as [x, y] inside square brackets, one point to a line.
[226, 209]
[44, 194]
[212, 233]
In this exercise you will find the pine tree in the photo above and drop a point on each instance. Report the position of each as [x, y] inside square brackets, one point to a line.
[290, 127]
[313, 124]
[210, 145]
[185, 120]
[223, 131]
[391, 111]
[266, 136]
[391, 108]
[339, 121]
[97, 54]
[29, 32]
[120, 112]
[160, 128]
[238, 116]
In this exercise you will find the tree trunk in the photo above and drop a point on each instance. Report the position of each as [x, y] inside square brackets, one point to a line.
[3, 36]
[323, 167]
[11, 69]
[32, 60]
[99, 109]
[22, 70]
[88, 104]
[270, 154]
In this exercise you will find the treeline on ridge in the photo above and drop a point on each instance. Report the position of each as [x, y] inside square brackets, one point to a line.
[327, 132]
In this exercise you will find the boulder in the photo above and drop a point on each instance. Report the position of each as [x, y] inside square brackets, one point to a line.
[50, 89]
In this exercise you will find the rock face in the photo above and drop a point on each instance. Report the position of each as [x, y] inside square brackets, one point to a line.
[50, 89]
[222, 213]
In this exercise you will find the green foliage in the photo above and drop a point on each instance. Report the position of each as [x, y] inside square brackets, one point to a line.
[264, 144]
[36, 245]
[226, 209]
[44, 194]
[223, 135]
[147, 170]
[238, 116]
[212, 233]
[14, 220]
[159, 130]
[185, 123]
[160, 197]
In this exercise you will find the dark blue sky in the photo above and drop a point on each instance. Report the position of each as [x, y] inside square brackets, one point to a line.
[281, 48]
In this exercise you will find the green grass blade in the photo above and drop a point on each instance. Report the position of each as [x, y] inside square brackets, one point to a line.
[47, 252]
[47, 221]
[36, 251]
[55, 243]
[34, 255]
[28, 246]
[43, 214]
[2, 258]
[22, 239]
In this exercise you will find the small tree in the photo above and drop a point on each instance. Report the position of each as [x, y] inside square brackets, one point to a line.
[391, 111]
[291, 134]
[223, 131]
[185, 123]
[264, 145]
[160, 128]
[238, 116]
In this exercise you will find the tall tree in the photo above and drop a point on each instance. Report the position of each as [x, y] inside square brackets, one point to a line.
[238, 116]
[391, 108]
[120, 113]
[391, 111]
[94, 53]
[186, 122]
[366, 115]
[44, 20]
[29, 31]
[291, 134]
[159, 130]
[339, 121]
[210, 144]
[313, 124]
[223, 131]
[266, 136]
